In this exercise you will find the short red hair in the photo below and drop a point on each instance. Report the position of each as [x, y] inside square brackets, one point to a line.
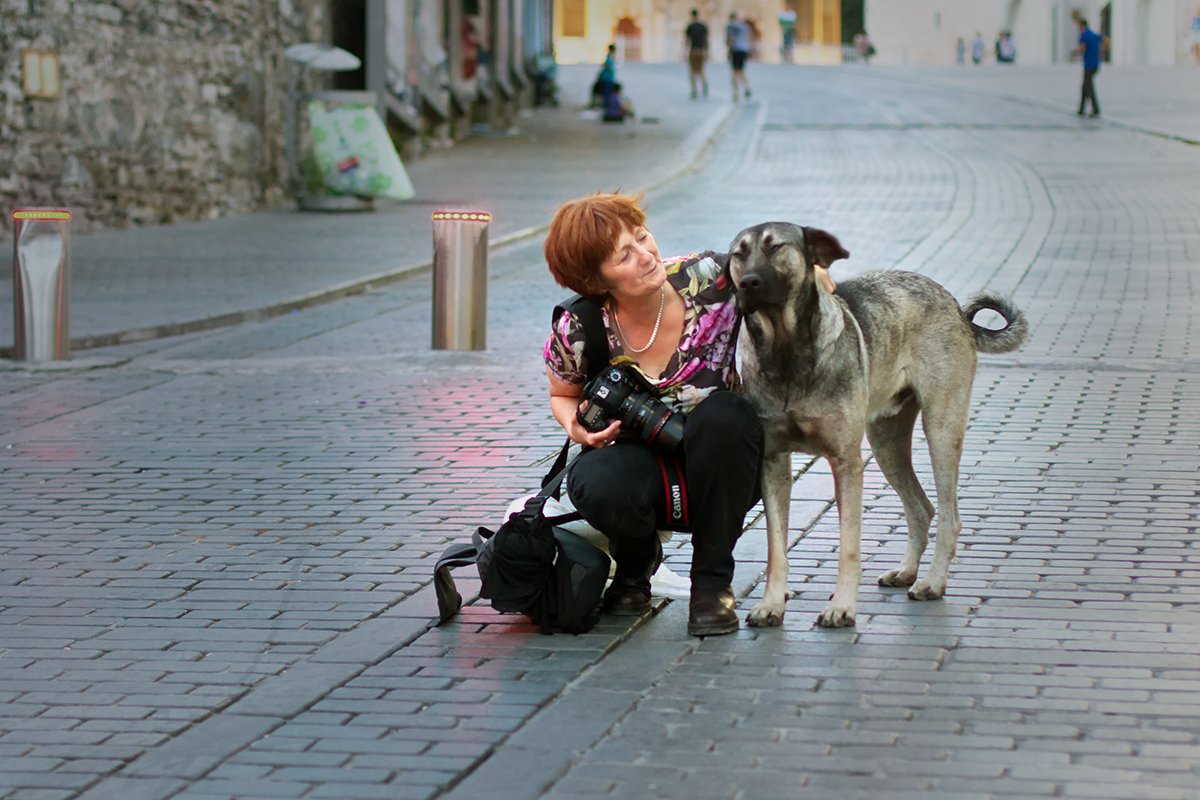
[584, 234]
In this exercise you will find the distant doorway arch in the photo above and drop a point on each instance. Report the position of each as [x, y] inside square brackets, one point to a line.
[628, 37]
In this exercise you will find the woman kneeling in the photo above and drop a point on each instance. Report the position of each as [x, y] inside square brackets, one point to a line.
[673, 321]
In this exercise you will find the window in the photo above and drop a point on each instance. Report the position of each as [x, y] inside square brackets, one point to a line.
[574, 18]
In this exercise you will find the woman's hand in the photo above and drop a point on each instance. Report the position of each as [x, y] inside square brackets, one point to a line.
[602, 439]
[826, 282]
[564, 403]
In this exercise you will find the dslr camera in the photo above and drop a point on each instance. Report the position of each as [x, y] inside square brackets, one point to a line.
[622, 393]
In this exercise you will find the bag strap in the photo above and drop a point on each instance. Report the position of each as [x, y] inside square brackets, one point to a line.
[595, 353]
[556, 470]
[448, 599]
[554, 477]
[595, 340]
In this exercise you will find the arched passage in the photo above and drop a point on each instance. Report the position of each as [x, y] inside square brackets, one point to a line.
[628, 37]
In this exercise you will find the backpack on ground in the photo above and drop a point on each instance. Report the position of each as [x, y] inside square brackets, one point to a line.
[530, 565]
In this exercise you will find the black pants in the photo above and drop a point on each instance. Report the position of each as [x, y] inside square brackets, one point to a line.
[1089, 91]
[620, 490]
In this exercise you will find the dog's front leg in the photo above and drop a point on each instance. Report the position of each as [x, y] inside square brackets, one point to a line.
[777, 498]
[847, 488]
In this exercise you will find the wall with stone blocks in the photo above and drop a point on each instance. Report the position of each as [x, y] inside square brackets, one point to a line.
[170, 110]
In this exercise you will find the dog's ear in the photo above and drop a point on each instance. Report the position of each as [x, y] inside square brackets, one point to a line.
[823, 247]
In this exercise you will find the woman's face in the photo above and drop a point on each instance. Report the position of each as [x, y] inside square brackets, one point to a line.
[634, 268]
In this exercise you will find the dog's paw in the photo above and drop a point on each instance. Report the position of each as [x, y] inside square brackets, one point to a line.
[835, 616]
[897, 577]
[766, 615]
[924, 590]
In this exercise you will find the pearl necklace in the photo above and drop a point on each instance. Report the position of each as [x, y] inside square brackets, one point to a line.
[662, 303]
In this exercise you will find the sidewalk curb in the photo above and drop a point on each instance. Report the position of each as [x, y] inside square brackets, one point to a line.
[1112, 123]
[694, 148]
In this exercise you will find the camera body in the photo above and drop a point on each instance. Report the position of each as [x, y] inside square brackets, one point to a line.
[621, 393]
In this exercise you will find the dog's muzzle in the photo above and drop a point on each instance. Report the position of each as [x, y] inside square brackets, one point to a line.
[751, 293]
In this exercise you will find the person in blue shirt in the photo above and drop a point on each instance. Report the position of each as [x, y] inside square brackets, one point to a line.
[1090, 44]
[603, 86]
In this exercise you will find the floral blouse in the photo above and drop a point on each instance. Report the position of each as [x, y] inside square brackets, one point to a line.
[704, 361]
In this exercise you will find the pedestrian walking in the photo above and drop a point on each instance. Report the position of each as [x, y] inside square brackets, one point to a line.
[737, 40]
[787, 22]
[960, 51]
[977, 48]
[1194, 38]
[1090, 44]
[696, 37]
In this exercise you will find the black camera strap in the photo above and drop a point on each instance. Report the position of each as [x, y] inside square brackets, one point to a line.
[596, 354]
[595, 340]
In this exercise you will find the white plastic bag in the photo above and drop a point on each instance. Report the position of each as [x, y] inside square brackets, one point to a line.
[354, 153]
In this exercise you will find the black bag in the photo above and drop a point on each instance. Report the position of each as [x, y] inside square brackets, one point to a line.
[531, 566]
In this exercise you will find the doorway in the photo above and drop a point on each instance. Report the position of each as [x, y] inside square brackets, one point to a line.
[349, 32]
[628, 40]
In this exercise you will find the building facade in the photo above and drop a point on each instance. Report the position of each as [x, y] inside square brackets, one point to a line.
[137, 112]
[131, 112]
[653, 30]
[1150, 32]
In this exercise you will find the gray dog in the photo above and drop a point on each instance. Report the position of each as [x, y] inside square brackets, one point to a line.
[823, 369]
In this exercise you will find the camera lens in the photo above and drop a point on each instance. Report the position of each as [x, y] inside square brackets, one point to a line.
[654, 421]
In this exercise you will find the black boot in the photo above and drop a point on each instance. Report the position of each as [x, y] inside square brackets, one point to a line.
[627, 597]
[629, 593]
[711, 612]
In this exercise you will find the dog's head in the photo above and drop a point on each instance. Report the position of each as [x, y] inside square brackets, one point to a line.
[772, 264]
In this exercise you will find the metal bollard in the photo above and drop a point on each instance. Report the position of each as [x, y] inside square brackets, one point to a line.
[42, 284]
[460, 253]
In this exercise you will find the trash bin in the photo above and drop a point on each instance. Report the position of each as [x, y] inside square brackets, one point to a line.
[42, 284]
[460, 252]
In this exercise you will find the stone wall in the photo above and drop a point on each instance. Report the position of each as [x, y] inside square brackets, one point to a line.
[170, 110]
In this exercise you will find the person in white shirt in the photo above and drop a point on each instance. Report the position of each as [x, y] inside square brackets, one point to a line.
[737, 39]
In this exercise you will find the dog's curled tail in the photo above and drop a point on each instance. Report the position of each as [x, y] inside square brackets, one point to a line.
[1015, 331]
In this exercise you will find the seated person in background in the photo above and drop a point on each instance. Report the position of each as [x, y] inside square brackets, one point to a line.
[1006, 52]
[617, 108]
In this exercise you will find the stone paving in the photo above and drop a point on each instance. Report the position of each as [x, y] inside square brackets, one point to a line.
[215, 555]
[1157, 99]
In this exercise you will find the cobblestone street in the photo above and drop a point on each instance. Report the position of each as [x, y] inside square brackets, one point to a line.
[216, 548]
